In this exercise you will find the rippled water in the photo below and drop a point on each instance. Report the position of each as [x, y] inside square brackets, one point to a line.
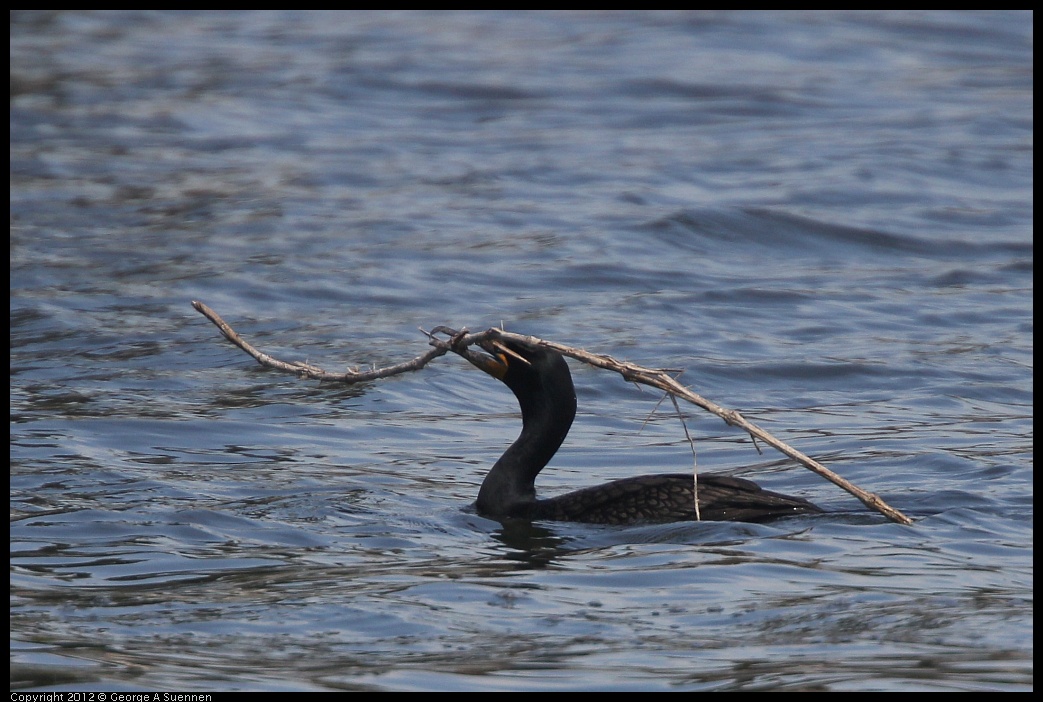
[826, 219]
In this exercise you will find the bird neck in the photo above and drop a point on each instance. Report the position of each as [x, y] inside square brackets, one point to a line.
[509, 488]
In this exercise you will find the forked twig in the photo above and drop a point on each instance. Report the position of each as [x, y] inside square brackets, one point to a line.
[306, 370]
[459, 341]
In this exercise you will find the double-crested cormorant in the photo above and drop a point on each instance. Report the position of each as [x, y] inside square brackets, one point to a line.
[540, 379]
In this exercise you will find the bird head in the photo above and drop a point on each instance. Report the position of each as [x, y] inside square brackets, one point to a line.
[534, 373]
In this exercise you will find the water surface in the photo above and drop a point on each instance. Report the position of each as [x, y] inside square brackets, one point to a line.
[825, 219]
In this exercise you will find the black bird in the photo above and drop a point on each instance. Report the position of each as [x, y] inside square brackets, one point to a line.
[540, 379]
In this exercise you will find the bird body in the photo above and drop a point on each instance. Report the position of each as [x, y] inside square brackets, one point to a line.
[670, 498]
[541, 381]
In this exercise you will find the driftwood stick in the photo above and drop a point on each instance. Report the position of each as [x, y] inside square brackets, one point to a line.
[459, 341]
[660, 378]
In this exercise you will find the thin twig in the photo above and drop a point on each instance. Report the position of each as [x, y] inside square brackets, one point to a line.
[695, 460]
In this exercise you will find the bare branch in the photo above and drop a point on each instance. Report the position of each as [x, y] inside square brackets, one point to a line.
[459, 341]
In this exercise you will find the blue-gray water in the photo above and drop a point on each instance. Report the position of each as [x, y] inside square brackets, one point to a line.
[826, 219]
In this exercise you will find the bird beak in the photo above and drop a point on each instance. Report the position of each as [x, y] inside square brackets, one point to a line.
[497, 364]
